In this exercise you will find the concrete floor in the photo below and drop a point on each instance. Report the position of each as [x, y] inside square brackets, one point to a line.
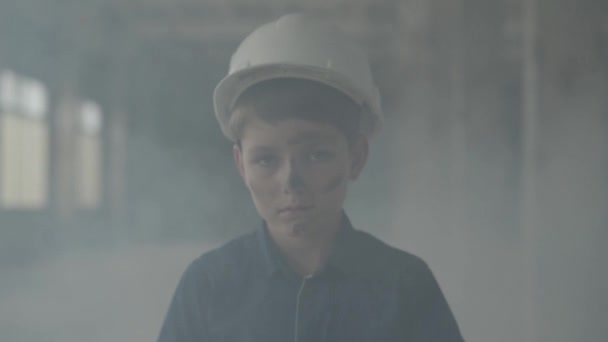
[93, 295]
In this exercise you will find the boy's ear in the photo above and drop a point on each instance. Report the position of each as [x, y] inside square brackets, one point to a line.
[237, 154]
[359, 152]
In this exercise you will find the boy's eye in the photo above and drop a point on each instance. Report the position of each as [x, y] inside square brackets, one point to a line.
[321, 155]
[265, 160]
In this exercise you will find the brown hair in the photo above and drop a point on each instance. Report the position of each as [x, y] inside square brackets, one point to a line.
[294, 98]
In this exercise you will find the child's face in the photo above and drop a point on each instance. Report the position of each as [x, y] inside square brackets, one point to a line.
[298, 171]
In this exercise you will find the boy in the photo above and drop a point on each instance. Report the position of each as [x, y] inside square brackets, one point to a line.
[299, 104]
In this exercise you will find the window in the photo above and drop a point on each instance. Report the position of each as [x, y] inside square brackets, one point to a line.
[24, 142]
[89, 156]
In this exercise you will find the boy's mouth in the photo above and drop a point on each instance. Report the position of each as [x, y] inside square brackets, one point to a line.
[295, 209]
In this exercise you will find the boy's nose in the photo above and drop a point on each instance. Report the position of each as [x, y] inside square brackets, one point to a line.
[294, 182]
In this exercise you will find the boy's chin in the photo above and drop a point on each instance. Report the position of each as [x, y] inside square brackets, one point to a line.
[300, 229]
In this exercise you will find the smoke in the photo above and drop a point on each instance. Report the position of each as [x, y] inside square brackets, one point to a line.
[443, 180]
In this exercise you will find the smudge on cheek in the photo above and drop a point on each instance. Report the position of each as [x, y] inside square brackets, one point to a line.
[334, 183]
[295, 181]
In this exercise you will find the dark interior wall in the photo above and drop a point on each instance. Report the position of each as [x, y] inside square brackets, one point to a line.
[446, 175]
[572, 168]
[180, 165]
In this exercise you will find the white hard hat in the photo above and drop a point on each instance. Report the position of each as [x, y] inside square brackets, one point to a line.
[300, 46]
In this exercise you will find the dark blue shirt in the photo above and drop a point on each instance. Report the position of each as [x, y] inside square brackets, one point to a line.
[367, 291]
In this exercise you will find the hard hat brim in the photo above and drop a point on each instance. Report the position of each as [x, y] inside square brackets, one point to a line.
[232, 86]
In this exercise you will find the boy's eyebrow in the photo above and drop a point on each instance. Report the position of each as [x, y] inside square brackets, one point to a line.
[261, 149]
[309, 136]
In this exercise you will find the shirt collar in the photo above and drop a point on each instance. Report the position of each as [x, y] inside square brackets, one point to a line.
[343, 256]
[272, 259]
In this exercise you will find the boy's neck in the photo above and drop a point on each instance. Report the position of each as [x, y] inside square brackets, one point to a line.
[306, 251]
